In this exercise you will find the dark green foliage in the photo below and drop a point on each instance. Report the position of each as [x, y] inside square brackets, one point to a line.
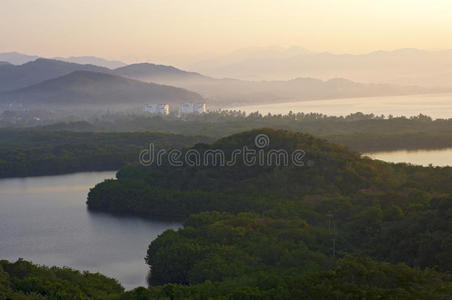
[334, 170]
[266, 231]
[352, 278]
[367, 279]
[216, 246]
[270, 257]
[422, 238]
[180, 191]
[23, 280]
[309, 232]
[361, 132]
[140, 293]
[32, 152]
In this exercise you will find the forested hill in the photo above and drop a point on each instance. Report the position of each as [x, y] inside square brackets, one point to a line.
[95, 89]
[28, 152]
[278, 231]
[166, 190]
[185, 189]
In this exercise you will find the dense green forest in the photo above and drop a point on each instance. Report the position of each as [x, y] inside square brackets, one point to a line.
[351, 278]
[22, 280]
[361, 132]
[110, 141]
[28, 152]
[337, 227]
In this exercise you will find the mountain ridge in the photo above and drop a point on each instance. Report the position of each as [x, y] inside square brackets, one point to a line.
[14, 77]
[17, 58]
[95, 88]
[229, 91]
[93, 60]
[220, 92]
[405, 66]
[149, 71]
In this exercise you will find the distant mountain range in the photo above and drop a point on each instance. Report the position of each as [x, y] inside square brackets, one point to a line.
[153, 72]
[14, 77]
[92, 60]
[50, 81]
[400, 67]
[226, 92]
[17, 58]
[87, 89]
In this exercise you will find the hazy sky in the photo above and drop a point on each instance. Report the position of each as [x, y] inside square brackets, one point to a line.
[134, 30]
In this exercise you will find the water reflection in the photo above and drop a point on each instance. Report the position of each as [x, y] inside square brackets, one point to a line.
[44, 219]
[433, 105]
[438, 158]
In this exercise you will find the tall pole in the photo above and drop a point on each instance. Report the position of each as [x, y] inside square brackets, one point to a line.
[331, 219]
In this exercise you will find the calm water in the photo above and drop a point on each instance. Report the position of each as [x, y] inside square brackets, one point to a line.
[45, 220]
[440, 158]
[434, 105]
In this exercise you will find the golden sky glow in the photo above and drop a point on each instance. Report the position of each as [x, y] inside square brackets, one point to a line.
[133, 30]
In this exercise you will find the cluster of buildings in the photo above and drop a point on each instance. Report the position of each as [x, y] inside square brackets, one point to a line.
[184, 108]
[158, 109]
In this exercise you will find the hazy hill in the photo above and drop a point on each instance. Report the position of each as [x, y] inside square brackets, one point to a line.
[15, 77]
[93, 60]
[96, 89]
[151, 72]
[219, 92]
[402, 66]
[227, 91]
[16, 58]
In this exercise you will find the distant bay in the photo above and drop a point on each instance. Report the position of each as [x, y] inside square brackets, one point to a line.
[437, 158]
[437, 106]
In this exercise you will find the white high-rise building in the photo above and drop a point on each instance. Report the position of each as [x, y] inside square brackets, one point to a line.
[158, 109]
[190, 108]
